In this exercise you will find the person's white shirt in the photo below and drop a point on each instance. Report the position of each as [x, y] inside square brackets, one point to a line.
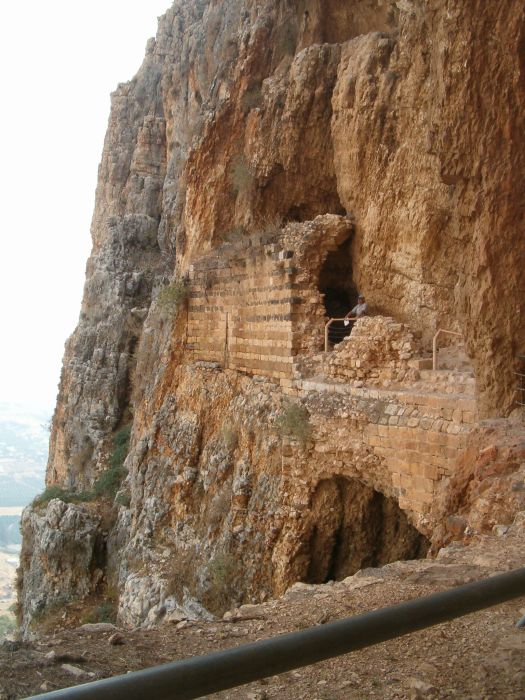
[359, 310]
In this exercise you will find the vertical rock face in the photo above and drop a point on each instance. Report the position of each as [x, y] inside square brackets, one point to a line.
[124, 264]
[60, 557]
[403, 120]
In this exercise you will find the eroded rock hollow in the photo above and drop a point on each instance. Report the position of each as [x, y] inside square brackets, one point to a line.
[269, 161]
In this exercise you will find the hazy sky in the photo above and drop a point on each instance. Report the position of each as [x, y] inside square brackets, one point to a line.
[59, 61]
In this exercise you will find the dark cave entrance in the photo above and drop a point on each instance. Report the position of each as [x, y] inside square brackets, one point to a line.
[354, 527]
[337, 285]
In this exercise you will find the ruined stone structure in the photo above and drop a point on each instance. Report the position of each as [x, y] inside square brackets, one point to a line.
[255, 306]
[275, 158]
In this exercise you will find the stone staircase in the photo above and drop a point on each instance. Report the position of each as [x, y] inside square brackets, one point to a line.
[446, 381]
[440, 381]
[449, 380]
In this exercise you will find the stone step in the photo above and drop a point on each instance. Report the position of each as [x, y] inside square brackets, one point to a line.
[446, 375]
[447, 389]
[425, 364]
[416, 394]
[420, 363]
[447, 382]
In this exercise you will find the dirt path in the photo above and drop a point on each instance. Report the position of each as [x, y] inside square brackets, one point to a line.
[478, 657]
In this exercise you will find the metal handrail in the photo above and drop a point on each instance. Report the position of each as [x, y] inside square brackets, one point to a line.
[203, 675]
[521, 388]
[329, 323]
[434, 345]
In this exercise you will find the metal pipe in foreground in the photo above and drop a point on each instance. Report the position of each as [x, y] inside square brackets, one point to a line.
[201, 675]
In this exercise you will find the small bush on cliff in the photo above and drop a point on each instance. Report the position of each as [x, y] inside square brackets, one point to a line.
[108, 482]
[103, 612]
[7, 625]
[120, 447]
[123, 499]
[293, 422]
[223, 571]
[49, 493]
[172, 296]
[181, 574]
[52, 492]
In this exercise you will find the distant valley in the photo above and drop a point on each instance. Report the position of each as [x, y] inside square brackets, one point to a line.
[23, 455]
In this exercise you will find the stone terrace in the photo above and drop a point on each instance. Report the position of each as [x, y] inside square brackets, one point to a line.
[254, 307]
[418, 434]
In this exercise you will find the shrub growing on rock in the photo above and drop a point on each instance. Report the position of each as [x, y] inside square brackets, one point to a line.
[294, 422]
[172, 296]
[103, 612]
[64, 495]
[7, 625]
[223, 571]
[120, 447]
[108, 482]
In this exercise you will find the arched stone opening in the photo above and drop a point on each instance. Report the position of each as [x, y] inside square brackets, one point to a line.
[336, 282]
[352, 526]
[338, 288]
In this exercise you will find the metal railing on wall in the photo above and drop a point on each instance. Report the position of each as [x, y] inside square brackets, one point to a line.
[521, 382]
[202, 675]
[334, 334]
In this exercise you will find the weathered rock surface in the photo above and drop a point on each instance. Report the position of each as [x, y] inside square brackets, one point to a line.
[259, 143]
[475, 656]
[488, 487]
[58, 558]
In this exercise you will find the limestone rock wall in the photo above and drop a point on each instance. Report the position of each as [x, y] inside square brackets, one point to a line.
[487, 488]
[434, 145]
[62, 558]
[255, 129]
[125, 262]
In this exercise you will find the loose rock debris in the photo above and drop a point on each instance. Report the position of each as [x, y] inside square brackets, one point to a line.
[476, 657]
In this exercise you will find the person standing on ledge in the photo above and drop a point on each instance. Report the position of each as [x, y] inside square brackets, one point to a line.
[360, 309]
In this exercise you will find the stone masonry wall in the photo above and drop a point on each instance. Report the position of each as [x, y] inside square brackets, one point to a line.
[254, 305]
[241, 307]
[412, 435]
[252, 308]
[378, 349]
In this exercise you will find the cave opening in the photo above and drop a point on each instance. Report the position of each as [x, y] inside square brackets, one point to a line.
[338, 288]
[352, 527]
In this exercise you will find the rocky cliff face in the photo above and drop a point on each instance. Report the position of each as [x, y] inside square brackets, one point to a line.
[258, 141]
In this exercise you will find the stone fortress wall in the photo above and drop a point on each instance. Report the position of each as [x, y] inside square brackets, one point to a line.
[241, 308]
[254, 306]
